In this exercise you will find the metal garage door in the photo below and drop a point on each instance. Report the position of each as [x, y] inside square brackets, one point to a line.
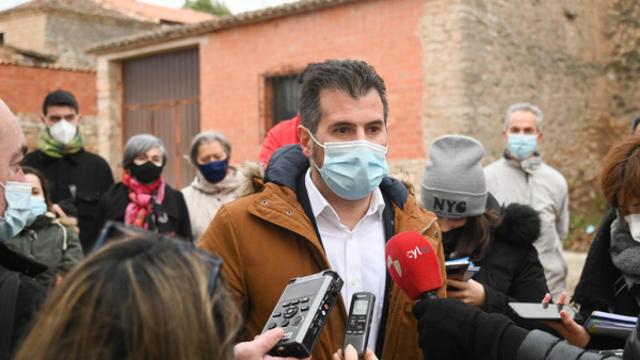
[162, 97]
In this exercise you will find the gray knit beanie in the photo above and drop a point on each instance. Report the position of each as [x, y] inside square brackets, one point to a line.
[453, 184]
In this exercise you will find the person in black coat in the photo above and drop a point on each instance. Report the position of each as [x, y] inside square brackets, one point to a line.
[20, 294]
[77, 178]
[28, 296]
[474, 225]
[143, 198]
[610, 279]
[450, 330]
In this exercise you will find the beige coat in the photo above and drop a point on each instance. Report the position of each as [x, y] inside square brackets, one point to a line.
[204, 198]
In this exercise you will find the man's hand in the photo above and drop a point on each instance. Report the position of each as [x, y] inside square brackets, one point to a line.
[469, 292]
[351, 354]
[259, 347]
[567, 327]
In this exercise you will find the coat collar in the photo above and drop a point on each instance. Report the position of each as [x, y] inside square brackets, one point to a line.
[529, 165]
[73, 159]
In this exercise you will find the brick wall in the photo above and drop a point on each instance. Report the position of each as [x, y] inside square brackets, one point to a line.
[235, 62]
[24, 89]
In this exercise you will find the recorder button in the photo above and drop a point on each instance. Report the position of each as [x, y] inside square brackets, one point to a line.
[285, 323]
[296, 320]
[271, 326]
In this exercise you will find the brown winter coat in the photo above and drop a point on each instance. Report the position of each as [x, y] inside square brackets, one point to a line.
[266, 238]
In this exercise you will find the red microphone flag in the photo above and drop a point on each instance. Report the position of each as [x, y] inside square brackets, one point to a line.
[413, 264]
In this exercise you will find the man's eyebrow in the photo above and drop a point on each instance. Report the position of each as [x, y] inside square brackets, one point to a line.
[342, 123]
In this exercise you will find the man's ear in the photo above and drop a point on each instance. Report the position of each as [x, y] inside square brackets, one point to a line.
[540, 135]
[78, 119]
[305, 141]
[44, 120]
[505, 136]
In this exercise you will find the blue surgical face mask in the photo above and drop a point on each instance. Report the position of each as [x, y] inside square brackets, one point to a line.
[214, 171]
[522, 146]
[353, 169]
[18, 208]
[38, 207]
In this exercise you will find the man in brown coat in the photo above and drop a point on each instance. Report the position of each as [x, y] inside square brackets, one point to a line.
[327, 203]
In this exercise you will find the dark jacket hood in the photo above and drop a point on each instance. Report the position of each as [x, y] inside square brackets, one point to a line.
[288, 163]
[520, 224]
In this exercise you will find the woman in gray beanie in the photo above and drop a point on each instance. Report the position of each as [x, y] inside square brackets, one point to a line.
[498, 240]
[216, 181]
[143, 199]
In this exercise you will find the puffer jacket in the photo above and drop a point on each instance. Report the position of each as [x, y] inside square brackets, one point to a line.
[267, 238]
[510, 269]
[51, 243]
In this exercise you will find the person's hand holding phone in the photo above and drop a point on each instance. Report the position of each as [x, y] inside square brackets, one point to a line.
[570, 330]
[469, 292]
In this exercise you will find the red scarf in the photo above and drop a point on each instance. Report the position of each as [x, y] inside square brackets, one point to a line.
[140, 199]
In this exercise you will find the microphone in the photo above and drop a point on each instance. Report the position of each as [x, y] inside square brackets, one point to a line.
[413, 265]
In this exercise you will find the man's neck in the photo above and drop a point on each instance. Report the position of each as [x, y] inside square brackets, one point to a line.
[349, 211]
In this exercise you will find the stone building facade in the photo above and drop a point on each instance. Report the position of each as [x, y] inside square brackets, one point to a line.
[451, 66]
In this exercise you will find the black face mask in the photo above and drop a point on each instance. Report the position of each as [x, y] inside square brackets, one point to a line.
[450, 239]
[146, 173]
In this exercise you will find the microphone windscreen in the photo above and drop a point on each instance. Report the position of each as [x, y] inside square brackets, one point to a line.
[413, 264]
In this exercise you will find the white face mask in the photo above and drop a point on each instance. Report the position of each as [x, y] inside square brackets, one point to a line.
[63, 131]
[633, 220]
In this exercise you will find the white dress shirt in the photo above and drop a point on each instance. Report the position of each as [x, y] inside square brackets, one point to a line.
[356, 255]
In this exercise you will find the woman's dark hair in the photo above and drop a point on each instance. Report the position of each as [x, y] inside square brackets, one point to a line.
[477, 235]
[43, 183]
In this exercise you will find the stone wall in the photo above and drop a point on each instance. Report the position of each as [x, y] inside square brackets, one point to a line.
[25, 31]
[32, 126]
[622, 30]
[482, 56]
[69, 35]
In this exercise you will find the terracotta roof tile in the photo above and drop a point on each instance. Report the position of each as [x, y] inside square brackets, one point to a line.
[129, 10]
[155, 12]
[183, 31]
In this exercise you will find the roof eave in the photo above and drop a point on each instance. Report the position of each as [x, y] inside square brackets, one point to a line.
[225, 22]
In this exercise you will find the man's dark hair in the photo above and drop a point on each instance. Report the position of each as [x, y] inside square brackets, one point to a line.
[59, 98]
[353, 77]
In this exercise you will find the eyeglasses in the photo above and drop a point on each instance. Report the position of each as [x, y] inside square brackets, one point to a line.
[115, 231]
